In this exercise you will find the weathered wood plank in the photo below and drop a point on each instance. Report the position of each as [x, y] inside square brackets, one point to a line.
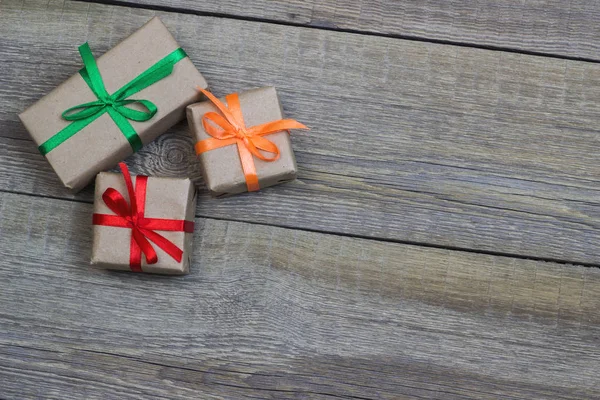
[561, 27]
[413, 142]
[276, 313]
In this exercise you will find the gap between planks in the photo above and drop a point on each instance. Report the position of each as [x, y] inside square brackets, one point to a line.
[181, 10]
[349, 235]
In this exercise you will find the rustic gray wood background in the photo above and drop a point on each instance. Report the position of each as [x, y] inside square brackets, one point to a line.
[441, 241]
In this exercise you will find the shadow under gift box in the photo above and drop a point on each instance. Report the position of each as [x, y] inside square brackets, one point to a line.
[222, 167]
[167, 198]
[101, 144]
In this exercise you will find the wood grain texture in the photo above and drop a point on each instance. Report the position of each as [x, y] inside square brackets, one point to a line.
[276, 313]
[560, 27]
[413, 142]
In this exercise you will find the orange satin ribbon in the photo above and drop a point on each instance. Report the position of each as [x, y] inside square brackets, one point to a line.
[230, 128]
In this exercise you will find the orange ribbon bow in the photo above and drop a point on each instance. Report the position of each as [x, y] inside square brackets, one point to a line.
[230, 128]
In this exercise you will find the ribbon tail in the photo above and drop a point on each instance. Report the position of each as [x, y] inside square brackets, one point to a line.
[276, 126]
[144, 246]
[248, 167]
[175, 252]
[125, 126]
[135, 255]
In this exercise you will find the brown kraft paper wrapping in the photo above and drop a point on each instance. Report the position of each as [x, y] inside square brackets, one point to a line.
[222, 168]
[168, 198]
[101, 144]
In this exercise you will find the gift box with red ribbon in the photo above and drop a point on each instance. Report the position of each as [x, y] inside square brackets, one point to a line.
[242, 141]
[143, 224]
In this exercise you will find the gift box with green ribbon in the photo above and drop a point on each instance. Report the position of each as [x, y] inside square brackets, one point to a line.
[114, 105]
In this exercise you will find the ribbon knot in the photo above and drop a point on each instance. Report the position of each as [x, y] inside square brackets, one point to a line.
[135, 221]
[229, 128]
[142, 228]
[241, 133]
[108, 101]
[119, 106]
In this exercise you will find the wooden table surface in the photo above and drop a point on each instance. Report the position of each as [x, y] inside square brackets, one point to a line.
[442, 240]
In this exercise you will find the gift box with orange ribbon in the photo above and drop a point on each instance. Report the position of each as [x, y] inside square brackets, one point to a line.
[143, 224]
[242, 141]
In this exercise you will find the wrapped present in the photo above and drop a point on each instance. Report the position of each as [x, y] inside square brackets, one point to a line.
[143, 224]
[114, 105]
[243, 142]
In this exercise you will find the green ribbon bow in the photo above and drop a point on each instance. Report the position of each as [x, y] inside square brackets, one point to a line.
[116, 104]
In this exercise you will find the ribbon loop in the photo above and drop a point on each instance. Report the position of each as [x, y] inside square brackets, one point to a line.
[263, 144]
[142, 228]
[230, 128]
[136, 115]
[84, 110]
[116, 104]
[217, 126]
[116, 202]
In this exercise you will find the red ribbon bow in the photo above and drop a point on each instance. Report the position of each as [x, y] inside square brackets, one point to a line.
[142, 228]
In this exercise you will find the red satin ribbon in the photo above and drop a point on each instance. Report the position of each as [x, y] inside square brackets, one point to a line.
[229, 128]
[142, 228]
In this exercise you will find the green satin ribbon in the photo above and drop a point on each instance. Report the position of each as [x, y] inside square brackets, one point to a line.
[116, 104]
